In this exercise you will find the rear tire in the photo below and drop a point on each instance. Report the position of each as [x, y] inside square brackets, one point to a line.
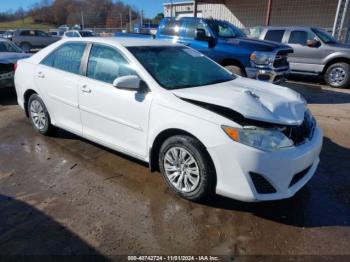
[187, 168]
[235, 70]
[338, 75]
[39, 116]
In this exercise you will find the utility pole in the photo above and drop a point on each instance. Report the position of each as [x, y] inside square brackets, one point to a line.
[141, 21]
[82, 19]
[121, 21]
[268, 13]
[130, 29]
[171, 9]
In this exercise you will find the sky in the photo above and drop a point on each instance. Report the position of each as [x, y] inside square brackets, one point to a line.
[150, 7]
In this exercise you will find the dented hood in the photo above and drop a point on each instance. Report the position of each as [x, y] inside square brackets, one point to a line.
[253, 99]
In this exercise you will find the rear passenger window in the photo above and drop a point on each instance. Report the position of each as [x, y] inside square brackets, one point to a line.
[106, 64]
[66, 58]
[193, 25]
[27, 33]
[274, 35]
[171, 28]
[300, 37]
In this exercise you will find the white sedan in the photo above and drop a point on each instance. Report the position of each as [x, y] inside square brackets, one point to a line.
[203, 128]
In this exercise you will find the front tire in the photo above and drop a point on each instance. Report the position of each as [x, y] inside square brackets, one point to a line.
[187, 168]
[338, 75]
[235, 70]
[39, 116]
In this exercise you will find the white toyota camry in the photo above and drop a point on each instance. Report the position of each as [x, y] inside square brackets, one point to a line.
[203, 128]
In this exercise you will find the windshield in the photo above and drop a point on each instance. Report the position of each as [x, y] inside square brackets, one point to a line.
[9, 47]
[176, 67]
[224, 29]
[325, 37]
[86, 34]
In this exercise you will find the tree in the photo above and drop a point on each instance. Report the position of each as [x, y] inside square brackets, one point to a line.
[158, 17]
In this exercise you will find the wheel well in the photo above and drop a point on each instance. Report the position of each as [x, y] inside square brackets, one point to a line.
[159, 140]
[234, 62]
[26, 97]
[336, 60]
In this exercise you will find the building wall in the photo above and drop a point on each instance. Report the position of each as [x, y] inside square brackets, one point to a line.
[247, 13]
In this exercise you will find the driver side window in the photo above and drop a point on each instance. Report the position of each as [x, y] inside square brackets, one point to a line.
[106, 64]
[300, 37]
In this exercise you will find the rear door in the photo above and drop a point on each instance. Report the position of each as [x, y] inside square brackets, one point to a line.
[57, 77]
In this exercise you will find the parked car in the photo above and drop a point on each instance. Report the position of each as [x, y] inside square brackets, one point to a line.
[29, 39]
[56, 32]
[204, 128]
[79, 33]
[8, 34]
[2, 32]
[229, 46]
[9, 55]
[63, 28]
[315, 53]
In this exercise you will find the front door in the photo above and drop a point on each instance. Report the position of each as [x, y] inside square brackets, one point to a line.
[117, 118]
[304, 58]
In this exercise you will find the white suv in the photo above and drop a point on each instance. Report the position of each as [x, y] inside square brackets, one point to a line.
[205, 129]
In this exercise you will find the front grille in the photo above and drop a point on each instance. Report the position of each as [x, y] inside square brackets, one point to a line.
[262, 186]
[297, 177]
[298, 134]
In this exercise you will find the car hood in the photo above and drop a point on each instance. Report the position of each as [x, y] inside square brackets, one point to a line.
[10, 58]
[253, 99]
[257, 45]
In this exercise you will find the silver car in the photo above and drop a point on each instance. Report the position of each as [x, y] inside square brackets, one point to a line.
[315, 53]
[9, 54]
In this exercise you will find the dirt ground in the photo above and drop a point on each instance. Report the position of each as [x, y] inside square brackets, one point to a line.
[65, 195]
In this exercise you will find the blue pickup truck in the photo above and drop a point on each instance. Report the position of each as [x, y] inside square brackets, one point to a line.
[227, 45]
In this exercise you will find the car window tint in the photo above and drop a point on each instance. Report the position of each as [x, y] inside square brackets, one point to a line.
[171, 28]
[67, 57]
[40, 33]
[193, 25]
[300, 37]
[27, 33]
[106, 64]
[274, 35]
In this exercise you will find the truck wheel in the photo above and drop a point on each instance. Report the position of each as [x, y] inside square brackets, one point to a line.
[235, 70]
[26, 47]
[338, 75]
[187, 168]
[39, 116]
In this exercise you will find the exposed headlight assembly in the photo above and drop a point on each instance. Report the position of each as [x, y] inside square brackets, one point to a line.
[262, 58]
[261, 138]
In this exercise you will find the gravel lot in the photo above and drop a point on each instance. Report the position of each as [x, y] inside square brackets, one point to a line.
[65, 195]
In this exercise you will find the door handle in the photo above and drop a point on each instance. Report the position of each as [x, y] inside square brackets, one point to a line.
[41, 75]
[85, 89]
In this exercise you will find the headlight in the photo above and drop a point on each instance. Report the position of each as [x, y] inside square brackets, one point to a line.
[265, 139]
[262, 58]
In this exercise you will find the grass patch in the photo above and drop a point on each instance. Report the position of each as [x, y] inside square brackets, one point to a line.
[27, 23]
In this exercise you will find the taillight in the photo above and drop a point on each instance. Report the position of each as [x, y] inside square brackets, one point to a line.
[14, 67]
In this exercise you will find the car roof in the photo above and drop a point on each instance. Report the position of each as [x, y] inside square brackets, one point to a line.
[288, 27]
[123, 41]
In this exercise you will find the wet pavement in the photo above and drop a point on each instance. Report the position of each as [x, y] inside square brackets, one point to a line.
[65, 195]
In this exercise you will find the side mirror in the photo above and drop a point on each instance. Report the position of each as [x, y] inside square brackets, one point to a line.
[131, 82]
[313, 43]
[201, 36]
